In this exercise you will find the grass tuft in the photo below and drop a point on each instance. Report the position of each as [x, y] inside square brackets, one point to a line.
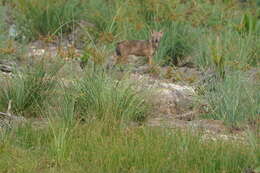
[49, 17]
[28, 90]
[100, 96]
[234, 100]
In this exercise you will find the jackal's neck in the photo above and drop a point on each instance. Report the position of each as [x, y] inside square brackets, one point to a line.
[154, 44]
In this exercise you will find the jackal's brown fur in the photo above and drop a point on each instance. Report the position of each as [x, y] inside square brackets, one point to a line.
[145, 48]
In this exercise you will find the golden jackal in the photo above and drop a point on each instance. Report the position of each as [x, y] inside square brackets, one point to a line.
[145, 48]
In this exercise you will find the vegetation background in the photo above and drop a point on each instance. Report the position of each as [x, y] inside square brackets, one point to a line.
[83, 121]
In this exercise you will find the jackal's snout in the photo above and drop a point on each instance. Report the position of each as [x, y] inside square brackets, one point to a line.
[156, 37]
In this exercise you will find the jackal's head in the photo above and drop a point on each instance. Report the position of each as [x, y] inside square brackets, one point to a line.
[156, 37]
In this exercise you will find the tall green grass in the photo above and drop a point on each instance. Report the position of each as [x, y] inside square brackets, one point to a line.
[177, 43]
[2, 24]
[28, 90]
[236, 52]
[235, 100]
[188, 27]
[102, 14]
[102, 143]
[104, 147]
[186, 24]
[100, 96]
[49, 17]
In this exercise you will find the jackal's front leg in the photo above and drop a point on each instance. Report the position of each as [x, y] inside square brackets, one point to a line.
[118, 59]
[150, 60]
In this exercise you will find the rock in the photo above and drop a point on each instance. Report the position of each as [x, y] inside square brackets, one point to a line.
[13, 31]
[7, 66]
[249, 170]
[253, 74]
[215, 126]
[169, 98]
[10, 121]
[174, 106]
[174, 99]
[141, 69]
[189, 116]
[180, 75]
[110, 62]
[34, 52]
[186, 90]
[210, 125]
[186, 62]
